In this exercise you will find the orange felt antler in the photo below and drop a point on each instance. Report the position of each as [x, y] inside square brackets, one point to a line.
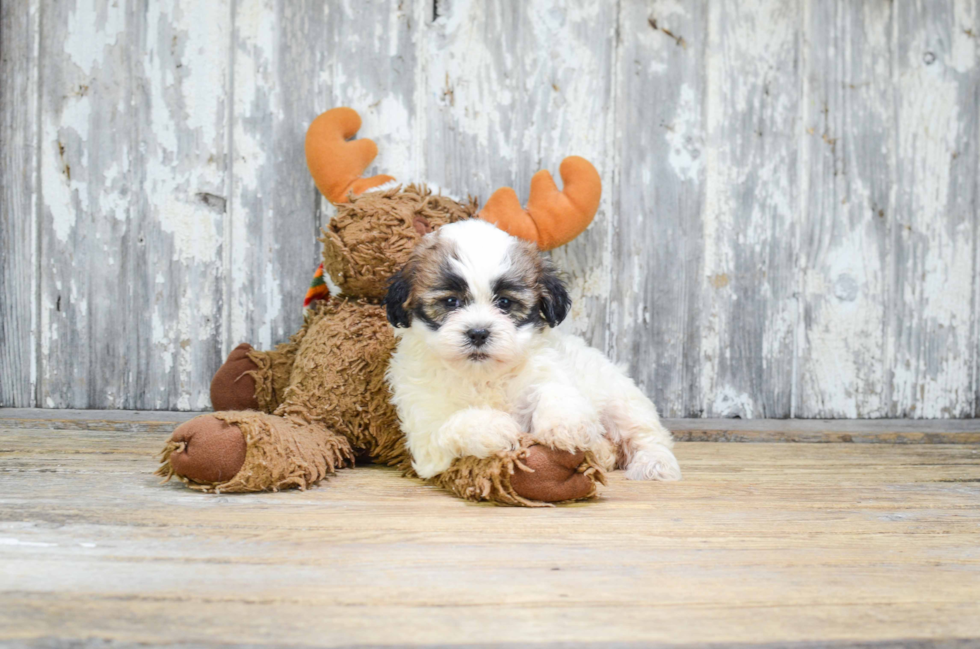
[336, 164]
[552, 218]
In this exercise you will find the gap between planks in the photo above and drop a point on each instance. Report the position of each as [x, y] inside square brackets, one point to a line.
[858, 431]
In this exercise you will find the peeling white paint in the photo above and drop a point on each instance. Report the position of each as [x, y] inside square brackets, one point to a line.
[195, 228]
[271, 311]
[938, 279]
[728, 402]
[684, 136]
[90, 28]
[751, 114]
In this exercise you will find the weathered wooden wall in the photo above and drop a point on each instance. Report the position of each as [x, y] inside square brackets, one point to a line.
[788, 226]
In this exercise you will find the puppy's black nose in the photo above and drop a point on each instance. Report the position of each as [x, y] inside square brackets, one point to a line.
[478, 336]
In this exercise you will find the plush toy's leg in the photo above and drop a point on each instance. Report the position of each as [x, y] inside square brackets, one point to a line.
[532, 476]
[252, 451]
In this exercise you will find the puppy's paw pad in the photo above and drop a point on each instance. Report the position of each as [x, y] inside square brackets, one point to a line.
[654, 465]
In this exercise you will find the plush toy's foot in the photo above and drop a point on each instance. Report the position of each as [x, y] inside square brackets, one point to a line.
[554, 476]
[533, 476]
[233, 385]
[252, 451]
[207, 450]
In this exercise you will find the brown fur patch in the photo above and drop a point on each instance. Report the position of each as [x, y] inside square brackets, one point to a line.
[371, 237]
[432, 278]
[521, 284]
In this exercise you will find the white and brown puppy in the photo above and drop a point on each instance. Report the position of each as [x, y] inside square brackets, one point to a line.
[478, 364]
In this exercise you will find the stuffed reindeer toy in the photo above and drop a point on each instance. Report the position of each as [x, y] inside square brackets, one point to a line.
[291, 416]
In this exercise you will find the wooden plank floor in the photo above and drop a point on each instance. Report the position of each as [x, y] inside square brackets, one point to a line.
[761, 544]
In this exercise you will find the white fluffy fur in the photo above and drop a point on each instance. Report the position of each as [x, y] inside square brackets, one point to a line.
[536, 381]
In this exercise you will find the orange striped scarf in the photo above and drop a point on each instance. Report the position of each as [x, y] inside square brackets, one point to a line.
[318, 289]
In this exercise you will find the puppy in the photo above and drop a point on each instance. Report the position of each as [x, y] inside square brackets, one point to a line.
[479, 366]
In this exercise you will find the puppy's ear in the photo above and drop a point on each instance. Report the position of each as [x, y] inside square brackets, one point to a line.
[555, 301]
[399, 290]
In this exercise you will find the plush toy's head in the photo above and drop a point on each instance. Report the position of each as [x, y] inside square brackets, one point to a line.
[374, 232]
[373, 235]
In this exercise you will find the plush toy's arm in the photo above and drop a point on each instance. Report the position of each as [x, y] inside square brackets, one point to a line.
[254, 380]
[532, 476]
[552, 218]
[274, 368]
[271, 374]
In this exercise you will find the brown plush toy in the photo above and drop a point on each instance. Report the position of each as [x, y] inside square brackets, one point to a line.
[289, 417]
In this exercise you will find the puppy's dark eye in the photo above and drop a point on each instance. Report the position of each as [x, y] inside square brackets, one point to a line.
[504, 304]
[451, 303]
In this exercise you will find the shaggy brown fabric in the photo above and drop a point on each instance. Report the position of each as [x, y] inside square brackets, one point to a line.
[371, 237]
[510, 479]
[326, 389]
[233, 385]
[338, 378]
[274, 369]
[280, 452]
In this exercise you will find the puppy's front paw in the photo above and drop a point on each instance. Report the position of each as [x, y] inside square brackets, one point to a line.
[568, 424]
[483, 432]
[654, 463]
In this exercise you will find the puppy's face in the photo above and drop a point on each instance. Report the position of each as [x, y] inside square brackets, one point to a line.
[476, 295]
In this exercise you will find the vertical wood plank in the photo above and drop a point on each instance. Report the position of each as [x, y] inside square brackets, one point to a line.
[279, 51]
[132, 167]
[654, 306]
[372, 65]
[89, 302]
[18, 186]
[511, 88]
[933, 309]
[183, 131]
[749, 310]
[847, 209]
[293, 61]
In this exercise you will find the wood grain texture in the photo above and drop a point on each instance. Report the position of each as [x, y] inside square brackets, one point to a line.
[760, 544]
[292, 61]
[749, 309]
[277, 54]
[657, 246]
[132, 154]
[820, 431]
[373, 52]
[933, 358]
[91, 288]
[19, 69]
[183, 141]
[848, 210]
[788, 224]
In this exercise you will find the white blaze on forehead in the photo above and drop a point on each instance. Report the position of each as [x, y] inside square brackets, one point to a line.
[483, 251]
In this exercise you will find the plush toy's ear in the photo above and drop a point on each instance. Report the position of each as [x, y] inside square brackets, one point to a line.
[336, 164]
[555, 301]
[399, 290]
[552, 218]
